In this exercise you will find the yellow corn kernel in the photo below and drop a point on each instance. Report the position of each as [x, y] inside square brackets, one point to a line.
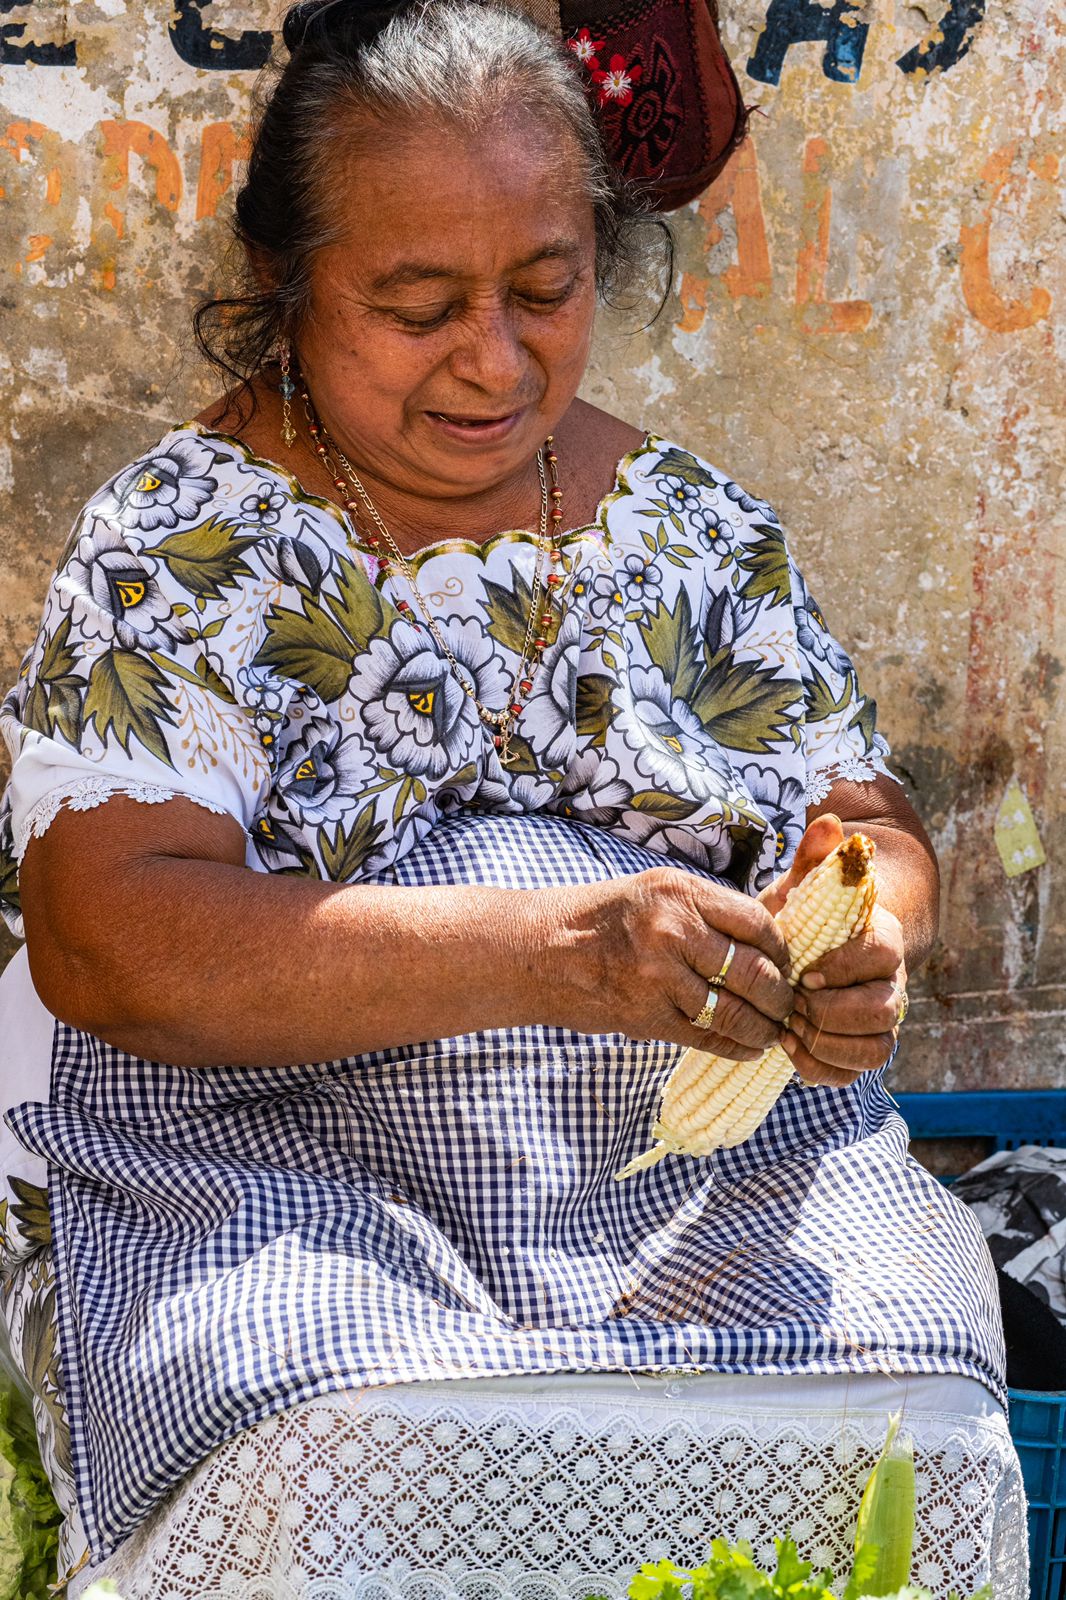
[713, 1103]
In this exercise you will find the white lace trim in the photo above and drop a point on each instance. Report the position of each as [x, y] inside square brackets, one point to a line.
[850, 769]
[407, 1494]
[87, 794]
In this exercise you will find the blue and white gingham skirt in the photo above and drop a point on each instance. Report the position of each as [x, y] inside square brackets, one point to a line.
[230, 1242]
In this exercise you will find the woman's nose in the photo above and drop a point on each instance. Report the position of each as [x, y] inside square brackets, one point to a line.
[489, 352]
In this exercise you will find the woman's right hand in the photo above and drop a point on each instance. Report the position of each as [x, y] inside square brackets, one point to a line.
[636, 955]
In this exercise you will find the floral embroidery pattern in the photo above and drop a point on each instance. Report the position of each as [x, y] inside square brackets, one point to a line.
[209, 633]
[161, 490]
[640, 100]
[110, 591]
[586, 48]
[616, 82]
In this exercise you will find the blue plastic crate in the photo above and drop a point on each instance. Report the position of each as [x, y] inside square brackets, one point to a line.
[1038, 1428]
[1009, 1118]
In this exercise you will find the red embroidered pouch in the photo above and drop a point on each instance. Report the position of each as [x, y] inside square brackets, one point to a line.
[669, 100]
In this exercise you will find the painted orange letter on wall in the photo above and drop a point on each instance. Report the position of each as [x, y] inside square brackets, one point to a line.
[981, 295]
[121, 140]
[17, 139]
[220, 150]
[737, 187]
[839, 316]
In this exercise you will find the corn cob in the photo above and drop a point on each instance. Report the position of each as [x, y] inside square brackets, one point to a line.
[712, 1103]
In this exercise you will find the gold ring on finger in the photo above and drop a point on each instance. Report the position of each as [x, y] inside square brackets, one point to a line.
[904, 1007]
[704, 1018]
[719, 978]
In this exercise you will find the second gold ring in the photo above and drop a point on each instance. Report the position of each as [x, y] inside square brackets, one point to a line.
[719, 978]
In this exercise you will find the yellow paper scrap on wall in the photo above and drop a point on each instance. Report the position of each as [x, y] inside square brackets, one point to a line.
[1017, 839]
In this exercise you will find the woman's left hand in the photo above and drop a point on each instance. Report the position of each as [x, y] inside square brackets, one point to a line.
[847, 1006]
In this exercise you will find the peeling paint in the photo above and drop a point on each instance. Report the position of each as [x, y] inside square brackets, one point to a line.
[867, 329]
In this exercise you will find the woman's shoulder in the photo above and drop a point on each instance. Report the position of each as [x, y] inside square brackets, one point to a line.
[596, 435]
[614, 448]
[194, 479]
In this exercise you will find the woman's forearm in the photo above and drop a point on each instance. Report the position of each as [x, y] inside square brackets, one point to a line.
[161, 941]
[146, 928]
[284, 971]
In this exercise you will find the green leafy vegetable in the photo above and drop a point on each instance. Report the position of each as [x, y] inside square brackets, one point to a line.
[29, 1516]
[731, 1574]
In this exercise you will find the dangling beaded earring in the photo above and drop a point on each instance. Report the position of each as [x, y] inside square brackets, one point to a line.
[288, 389]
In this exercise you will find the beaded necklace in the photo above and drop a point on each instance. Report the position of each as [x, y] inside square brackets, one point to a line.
[545, 586]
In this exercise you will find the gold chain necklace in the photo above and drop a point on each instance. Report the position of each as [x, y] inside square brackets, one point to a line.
[539, 624]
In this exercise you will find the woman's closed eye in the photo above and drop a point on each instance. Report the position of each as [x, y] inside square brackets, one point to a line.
[421, 318]
[429, 317]
[545, 298]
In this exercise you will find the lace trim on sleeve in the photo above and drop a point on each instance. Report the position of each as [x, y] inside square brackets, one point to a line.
[849, 769]
[87, 794]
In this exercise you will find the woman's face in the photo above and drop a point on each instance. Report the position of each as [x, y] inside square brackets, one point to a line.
[449, 328]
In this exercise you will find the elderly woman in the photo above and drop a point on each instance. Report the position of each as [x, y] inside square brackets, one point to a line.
[408, 719]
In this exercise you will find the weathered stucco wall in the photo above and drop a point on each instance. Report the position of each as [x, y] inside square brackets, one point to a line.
[868, 330]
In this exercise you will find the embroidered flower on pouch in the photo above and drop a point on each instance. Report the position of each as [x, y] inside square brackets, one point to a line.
[586, 48]
[616, 84]
[162, 490]
[110, 591]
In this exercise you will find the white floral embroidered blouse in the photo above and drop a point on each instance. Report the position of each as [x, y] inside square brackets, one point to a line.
[212, 632]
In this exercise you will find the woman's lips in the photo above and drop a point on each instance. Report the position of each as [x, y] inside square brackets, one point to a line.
[474, 430]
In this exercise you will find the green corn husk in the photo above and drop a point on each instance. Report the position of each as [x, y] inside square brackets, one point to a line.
[884, 1537]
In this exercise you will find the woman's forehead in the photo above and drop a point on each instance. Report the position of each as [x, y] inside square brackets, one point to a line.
[439, 200]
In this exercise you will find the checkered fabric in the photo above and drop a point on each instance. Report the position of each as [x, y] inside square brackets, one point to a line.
[236, 1241]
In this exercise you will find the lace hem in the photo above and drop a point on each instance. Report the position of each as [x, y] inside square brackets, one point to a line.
[849, 769]
[87, 794]
[409, 1494]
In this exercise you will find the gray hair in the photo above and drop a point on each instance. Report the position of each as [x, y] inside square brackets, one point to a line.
[460, 61]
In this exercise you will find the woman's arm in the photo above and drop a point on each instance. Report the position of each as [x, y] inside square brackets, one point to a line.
[848, 1004]
[146, 928]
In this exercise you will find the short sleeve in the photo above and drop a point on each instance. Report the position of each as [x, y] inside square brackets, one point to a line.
[840, 738]
[126, 689]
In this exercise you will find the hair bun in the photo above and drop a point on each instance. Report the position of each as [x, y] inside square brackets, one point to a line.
[342, 23]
